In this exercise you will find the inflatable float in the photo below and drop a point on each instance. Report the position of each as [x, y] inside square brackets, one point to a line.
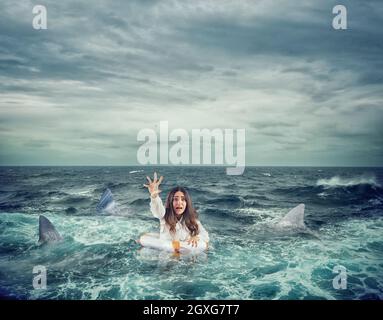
[152, 240]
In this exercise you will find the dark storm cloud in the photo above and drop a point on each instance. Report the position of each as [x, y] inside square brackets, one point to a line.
[104, 70]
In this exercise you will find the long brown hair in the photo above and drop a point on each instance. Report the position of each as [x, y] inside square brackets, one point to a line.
[189, 216]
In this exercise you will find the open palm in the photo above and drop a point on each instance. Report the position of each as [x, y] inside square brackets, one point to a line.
[153, 186]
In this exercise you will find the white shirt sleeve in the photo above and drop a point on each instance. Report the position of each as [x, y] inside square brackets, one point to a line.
[157, 208]
[203, 234]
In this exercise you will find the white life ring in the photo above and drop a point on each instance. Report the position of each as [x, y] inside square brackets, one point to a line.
[152, 240]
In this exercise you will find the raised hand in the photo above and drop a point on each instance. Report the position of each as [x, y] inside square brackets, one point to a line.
[153, 186]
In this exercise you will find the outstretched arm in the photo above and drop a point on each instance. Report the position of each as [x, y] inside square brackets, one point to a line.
[156, 206]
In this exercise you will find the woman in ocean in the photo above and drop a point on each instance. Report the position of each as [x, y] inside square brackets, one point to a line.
[178, 219]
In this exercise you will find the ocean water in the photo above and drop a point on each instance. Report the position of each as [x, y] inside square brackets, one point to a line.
[248, 258]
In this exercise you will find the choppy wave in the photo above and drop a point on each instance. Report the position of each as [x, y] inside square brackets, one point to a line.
[230, 201]
[99, 260]
[356, 195]
[337, 181]
[135, 171]
[140, 202]
[231, 216]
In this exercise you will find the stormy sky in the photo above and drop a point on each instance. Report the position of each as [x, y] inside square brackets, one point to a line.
[79, 92]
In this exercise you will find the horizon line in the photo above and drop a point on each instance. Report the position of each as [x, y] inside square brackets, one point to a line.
[193, 166]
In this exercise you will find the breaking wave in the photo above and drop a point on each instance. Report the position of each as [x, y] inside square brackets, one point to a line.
[337, 181]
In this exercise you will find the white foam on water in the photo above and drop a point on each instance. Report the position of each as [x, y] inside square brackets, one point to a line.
[337, 181]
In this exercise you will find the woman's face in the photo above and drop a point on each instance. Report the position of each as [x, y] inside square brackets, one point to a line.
[179, 203]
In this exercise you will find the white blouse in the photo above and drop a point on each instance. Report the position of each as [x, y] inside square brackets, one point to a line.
[182, 232]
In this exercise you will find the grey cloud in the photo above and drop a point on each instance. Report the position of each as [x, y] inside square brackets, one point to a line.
[271, 124]
[278, 70]
[36, 144]
[229, 73]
